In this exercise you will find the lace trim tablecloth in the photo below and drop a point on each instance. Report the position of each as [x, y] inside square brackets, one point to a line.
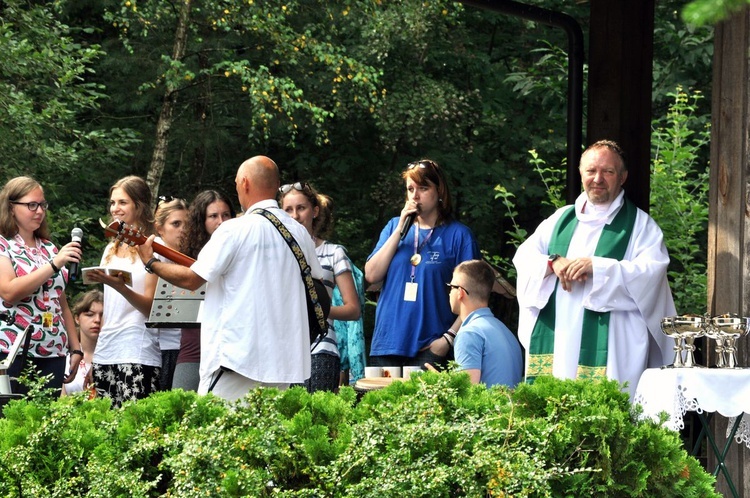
[679, 390]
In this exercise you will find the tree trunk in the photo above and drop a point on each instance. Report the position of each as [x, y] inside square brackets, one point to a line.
[163, 126]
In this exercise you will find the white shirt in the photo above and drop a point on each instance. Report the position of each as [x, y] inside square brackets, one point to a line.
[124, 337]
[255, 312]
[169, 338]
[635, 292]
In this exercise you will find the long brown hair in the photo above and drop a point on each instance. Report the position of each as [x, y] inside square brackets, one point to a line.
[195, 234]
[140, 193]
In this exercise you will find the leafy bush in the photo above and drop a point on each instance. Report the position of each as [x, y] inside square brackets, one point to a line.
[433, 435]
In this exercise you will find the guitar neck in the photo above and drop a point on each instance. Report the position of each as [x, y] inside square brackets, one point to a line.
[175, 256]
[133, 237]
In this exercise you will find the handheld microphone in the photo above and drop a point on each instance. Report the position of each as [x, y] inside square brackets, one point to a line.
[407, 224]
[76, 235]
[8, 317]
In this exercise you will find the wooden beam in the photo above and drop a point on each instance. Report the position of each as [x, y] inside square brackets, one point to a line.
[728, 228]
[619, 90]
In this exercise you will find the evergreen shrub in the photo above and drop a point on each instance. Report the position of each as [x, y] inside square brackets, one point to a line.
[435, 435]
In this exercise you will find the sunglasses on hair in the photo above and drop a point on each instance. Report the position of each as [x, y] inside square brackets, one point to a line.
[426, 163]
[161, 200]
[284, 189]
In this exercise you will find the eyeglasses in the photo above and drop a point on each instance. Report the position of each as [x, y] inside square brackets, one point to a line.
[426, 163]
[284, 189]
[454, 286]
[33, 206]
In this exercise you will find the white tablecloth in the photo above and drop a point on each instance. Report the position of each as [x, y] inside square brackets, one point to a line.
[679, 390]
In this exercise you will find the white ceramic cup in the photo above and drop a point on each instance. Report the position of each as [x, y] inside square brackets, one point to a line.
[407, 371]
[394, 372]
[372, 372]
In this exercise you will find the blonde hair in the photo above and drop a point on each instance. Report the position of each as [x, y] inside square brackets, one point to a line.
[323, 223]
[165, 208]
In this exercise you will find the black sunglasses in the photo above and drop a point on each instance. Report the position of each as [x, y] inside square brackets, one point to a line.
[426, 163]
[454, 286]
[161, 200]
[284, 189]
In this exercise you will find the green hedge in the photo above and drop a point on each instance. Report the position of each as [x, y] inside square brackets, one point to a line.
[435, 435]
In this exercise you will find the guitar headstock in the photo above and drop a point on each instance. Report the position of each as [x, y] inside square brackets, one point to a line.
[123, 232]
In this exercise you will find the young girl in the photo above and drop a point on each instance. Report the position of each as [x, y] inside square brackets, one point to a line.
[312, 210]
[127, 359]
[169, 221]
[208, 210]
[87, 313]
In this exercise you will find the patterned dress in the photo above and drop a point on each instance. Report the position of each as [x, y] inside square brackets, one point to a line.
[48, 340]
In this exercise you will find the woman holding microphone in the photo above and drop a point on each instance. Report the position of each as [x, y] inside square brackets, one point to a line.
[414, 258]
[32, 283]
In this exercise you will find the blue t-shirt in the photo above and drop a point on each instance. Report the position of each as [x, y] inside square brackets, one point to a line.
[485, 343]
[404, 327]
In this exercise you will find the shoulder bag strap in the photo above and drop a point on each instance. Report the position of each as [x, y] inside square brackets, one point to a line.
[303, 266]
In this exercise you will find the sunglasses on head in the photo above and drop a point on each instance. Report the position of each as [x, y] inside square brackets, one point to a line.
[284, 189]
[161, 200]
[425, 163]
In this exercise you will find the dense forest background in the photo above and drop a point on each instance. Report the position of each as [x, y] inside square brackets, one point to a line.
[341, 94]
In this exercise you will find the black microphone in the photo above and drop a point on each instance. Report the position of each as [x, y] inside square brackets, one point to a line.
[8, 317]
[76, 235]
[407, 224]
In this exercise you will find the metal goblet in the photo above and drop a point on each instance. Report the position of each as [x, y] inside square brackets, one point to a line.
[668, 330]
[730, 328]
[690, 327]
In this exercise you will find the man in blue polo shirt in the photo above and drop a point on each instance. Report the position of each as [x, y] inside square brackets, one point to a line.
[484, 347]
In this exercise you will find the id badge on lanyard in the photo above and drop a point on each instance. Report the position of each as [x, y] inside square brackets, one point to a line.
[411, 288]
[47, 312]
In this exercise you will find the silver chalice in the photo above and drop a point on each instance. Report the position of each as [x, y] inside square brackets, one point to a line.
[727, 329]
[690, 327]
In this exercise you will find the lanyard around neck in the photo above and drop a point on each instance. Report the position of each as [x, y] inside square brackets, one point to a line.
[416, 258]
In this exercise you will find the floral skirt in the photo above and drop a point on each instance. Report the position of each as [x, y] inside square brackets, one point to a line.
[125, 381]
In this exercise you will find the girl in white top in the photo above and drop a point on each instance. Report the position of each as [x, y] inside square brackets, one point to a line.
[314, 212]
[169, 220]
[87, 314]
[127, 360]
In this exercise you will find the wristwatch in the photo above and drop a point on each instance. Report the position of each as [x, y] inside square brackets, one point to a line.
[149, 263]
[551, 259]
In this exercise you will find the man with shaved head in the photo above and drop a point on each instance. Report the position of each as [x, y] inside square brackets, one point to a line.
[254, 326]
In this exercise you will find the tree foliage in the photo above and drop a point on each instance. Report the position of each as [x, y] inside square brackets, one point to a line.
[341, 94]
[702, 12]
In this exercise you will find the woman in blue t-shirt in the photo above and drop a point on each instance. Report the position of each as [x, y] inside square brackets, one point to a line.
[413, 259]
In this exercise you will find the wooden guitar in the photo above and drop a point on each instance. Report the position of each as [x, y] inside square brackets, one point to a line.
[133, 237]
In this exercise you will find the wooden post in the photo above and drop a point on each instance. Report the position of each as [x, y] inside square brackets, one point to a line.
[729, 227]
[620, 67]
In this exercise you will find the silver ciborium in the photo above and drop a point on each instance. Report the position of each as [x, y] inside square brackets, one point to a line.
[725, 330]
[689, 328]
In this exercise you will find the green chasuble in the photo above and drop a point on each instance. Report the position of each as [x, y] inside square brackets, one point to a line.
[592, 362]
